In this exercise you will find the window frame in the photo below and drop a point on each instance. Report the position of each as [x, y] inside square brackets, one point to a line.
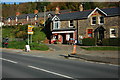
[54, 24]
[93, 20]
[36, 17]
[99, 20]
[71, 23]
[90, 33]
[27, 18]
[111, 34]
[9, 19]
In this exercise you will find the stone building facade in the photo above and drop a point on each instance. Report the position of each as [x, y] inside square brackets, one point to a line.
[97, 23]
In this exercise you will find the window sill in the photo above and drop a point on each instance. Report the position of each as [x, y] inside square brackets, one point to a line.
[93, 24]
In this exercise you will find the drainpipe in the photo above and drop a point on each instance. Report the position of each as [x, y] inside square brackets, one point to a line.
[77, 31]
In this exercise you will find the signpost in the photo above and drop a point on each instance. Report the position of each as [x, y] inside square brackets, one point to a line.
[30, 32]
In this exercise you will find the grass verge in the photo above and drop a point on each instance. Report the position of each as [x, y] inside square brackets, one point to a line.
[33, 46]
[102, 48]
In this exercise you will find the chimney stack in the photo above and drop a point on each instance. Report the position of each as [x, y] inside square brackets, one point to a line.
[17, 13]
[57, 10]
[35, 11]
[81, 7]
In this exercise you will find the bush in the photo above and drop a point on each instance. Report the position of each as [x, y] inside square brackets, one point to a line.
[111, 42]
[89, 42]
[36, 46]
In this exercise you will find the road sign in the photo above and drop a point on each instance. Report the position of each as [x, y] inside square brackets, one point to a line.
[30, 29]
[30, 32]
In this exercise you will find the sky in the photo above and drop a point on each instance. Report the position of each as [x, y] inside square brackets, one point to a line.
[16, 1]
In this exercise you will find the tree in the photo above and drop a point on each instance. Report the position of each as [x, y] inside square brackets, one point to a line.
[38, 35]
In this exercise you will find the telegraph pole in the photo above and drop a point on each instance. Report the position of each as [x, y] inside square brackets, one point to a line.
[44, 15]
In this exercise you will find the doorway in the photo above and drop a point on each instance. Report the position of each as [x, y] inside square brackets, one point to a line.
[99, 35]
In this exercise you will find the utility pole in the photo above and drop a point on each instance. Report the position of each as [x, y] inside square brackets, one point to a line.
[44, 15]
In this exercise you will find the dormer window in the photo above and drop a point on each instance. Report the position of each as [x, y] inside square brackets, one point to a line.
[36, 17]
[27, 18]
[71, 23]
[9, 20]
[16, 19]
[101, 20]
[93, 20]
[49, 15]
[56, 24]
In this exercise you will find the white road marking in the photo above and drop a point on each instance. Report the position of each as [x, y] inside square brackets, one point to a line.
[9, 60]
[50, 72]
[31, 55]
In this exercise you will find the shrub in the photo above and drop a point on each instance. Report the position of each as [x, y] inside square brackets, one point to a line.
[36, 46]
[111, 42]
[89, 42]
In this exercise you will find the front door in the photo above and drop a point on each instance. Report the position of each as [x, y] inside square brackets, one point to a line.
[99, 35]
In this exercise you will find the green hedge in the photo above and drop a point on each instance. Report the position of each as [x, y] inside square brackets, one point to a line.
[111, 42]
[33, 46]
[89, 42]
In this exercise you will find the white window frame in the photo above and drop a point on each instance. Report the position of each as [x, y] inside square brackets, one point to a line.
[16, 19]
[112, 35]
[36, 17]
[99, 20]
[71, 23]
[27, 18]
[54, 24]
[92, 20]
[9, 19]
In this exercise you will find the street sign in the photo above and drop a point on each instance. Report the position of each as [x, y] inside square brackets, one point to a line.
[30, 29]
[30, 32]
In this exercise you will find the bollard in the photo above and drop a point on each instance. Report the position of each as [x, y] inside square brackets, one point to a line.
[74, 50]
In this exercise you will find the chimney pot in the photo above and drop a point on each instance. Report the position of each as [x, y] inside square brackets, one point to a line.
[35, 11]
[17, 13]
[57, 10]
[81, 7]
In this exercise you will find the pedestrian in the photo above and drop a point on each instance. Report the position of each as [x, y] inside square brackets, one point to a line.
[6, 42]
[3, 42]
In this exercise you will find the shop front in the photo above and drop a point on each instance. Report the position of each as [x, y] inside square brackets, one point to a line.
[63, 37]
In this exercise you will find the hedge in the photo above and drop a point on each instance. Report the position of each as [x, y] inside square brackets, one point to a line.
[89, 42]
[111, 42]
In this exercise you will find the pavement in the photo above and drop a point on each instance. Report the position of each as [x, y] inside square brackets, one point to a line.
[64, 51]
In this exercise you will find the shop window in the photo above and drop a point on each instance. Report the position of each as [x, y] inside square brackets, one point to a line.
[71, 23]
[93, 20]
[90, 33]
[113, 33]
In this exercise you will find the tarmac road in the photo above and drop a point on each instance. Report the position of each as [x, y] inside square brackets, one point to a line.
[23, 66]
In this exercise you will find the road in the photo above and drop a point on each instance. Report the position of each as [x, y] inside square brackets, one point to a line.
[26, 66]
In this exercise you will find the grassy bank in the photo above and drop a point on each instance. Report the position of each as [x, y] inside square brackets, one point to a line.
[21, 45]
[102, 48]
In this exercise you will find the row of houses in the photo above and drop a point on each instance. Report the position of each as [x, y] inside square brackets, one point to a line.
[97, 23]
[65, 24]
[35, 18]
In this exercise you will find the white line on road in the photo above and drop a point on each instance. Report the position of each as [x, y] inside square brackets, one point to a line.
[50, 72]
[9, 60]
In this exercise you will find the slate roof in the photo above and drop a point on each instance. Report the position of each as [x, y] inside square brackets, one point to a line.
[84, 14]
[112, 11]
[41, 14]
